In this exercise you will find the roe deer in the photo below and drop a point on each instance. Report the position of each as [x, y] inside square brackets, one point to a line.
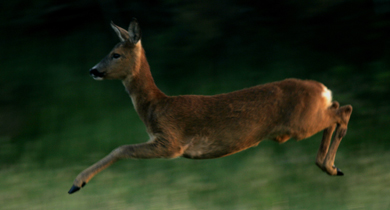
[202, 127]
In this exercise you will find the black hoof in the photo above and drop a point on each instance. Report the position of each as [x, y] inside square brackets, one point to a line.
[75, 188]
[339, 173]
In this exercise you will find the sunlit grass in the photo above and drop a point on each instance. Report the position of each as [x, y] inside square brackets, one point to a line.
[254, 179]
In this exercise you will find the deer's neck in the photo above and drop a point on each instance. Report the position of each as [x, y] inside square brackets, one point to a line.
[143, 91]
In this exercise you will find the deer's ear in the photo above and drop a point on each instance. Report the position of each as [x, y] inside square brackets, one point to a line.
[134, 31]
[122, 33]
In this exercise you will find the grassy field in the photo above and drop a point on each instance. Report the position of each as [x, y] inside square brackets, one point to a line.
[269, 176]
[59, 121]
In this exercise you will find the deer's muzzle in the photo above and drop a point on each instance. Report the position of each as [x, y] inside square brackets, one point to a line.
[96, 74]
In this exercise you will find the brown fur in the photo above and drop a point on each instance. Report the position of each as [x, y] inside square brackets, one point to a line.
[201, 127]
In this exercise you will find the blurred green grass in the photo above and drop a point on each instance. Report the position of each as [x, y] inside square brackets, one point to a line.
[260, 178]
[62, 121]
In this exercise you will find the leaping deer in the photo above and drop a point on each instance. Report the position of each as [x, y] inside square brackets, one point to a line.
[202, 127]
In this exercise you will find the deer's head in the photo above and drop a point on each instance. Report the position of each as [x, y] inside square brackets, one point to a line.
[123, 61]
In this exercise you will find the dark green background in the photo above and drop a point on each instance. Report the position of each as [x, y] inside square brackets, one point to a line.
[55, 120]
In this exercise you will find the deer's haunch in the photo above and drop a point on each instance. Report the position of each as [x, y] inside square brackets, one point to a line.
[202, 127]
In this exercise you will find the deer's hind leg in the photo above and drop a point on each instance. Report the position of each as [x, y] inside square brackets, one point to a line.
[325, 158]
[323, 150]
[326, 138]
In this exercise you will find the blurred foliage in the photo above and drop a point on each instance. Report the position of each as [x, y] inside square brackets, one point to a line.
[55, 120]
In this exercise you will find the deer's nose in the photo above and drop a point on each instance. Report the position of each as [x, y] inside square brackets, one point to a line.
[96, 74]
[93, 71]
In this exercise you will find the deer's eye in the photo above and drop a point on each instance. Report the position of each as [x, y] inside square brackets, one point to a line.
[116, 55]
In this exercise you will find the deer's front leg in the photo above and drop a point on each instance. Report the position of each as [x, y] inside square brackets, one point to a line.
[154, 149]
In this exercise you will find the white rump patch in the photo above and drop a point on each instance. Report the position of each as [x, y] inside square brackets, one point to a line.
[327, 94]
